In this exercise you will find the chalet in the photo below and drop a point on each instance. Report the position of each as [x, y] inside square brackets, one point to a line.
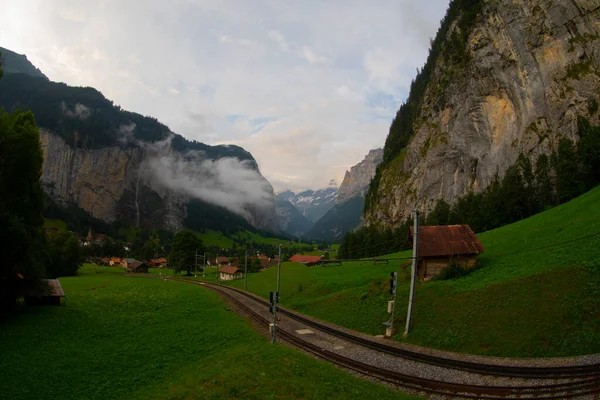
[157, 262]
[48, 293]
[222, 261]
[137, 266]
[115, 261]
[230, 273]
[440, 246]
[309, 261]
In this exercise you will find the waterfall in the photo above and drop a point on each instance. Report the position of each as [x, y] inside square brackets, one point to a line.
[137, 187]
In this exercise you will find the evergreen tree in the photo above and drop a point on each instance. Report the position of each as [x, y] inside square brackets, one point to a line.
[543, 182]
[21, 204]
[440, 215]
[183, 251]
[65, 257]
[588, 149]
[568, 181]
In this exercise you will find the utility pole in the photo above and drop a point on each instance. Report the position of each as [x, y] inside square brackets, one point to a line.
[279, 270]
[196, 263]
[246, 271]
[217, 267]
[393, 289]
[413, 276]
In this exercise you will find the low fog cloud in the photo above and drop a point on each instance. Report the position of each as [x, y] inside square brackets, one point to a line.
[226, 182]
[126, 134]
[80, 111]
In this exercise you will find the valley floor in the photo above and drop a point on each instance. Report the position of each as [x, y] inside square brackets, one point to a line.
[118, 337]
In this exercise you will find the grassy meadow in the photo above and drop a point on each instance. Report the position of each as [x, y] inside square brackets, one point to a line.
[118, 337]
[537, 293]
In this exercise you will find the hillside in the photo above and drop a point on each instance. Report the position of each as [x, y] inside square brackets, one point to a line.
[503, 78]
[139, 338]
[501, 309]
[345, 216]
[13, 63]
[338, 221]
[290, 220]
[122, 167]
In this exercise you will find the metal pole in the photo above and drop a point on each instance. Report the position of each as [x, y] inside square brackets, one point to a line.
[279, 270]
[413, 277]
[394, 302]
[196, 263]
[217, 267]
[246, 271]
[204, 264]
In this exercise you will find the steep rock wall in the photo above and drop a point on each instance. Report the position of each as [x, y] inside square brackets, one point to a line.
[534, 65]
[116, 184]
[357, 179]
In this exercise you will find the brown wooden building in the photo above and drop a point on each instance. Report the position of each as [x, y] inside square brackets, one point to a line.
[230, 273]
[136, 266]
[439, 246]
[48, 293]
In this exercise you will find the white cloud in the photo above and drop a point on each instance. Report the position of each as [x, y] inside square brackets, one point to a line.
[315, 84]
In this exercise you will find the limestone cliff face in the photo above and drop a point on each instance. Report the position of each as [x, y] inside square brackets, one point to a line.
[534, 66]
[357, 179]
[117, 183]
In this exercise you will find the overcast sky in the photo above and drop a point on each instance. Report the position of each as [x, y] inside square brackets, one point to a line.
[308, 87]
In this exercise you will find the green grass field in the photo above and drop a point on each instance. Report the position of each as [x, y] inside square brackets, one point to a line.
[137, 338]
[537, 293]
[55, 223]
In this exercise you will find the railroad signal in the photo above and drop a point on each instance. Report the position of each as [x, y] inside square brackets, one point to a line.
[393, 283]
[274, 297]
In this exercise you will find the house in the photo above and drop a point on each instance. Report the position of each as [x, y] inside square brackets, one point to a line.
[309, 261]
[157, 262]
[115, 261]
[222, 261]
[440, 246]
[230, 273]
[48, 293]
[137, 266]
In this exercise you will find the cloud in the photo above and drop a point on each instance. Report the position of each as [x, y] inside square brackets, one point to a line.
[79, 111]
[126, 134]
[325, 78]
[225, 182]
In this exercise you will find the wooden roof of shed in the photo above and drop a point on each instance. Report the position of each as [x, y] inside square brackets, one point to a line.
[448, 240]
[229, 269]
[305, 259]
[48, 288]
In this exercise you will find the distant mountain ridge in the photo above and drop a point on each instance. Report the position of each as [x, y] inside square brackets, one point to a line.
[312, 204]
[14, 63]
[345, 216]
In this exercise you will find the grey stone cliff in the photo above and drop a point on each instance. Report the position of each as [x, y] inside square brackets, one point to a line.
[534, 66]
[358, 178]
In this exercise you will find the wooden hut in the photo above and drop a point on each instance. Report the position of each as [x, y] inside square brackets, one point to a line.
[48, 293]
[439, 246]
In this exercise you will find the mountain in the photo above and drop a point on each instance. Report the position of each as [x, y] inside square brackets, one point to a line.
[503, 78]
[357, 180]
[290, 220]
[338, 221]
[13, 63]
[122, 167]
[312, 204]
[346, 214]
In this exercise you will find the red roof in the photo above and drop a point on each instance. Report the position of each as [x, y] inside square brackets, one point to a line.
[305, 259]
[229, 269]
[450, 240]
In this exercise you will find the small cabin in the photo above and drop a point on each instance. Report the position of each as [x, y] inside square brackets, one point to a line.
[48, 293]
[136, 266]
[440, 246]
[222, 261]
[230, 273]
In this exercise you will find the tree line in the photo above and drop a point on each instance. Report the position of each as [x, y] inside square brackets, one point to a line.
[525, 190]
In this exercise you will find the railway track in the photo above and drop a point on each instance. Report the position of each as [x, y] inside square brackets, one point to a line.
[577, 381]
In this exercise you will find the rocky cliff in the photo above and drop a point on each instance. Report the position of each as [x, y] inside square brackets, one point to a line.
[124, 183]
[532, 67]
[357, 179]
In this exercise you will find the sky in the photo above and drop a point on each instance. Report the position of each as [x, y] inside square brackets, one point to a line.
[308, 87]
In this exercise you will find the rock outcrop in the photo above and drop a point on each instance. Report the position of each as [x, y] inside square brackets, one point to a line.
[358, 178]
[533, 68]
[115, 183]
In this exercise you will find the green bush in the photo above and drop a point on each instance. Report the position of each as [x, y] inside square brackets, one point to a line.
[455, 270]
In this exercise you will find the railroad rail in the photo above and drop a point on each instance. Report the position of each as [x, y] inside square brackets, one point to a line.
[584, 379]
